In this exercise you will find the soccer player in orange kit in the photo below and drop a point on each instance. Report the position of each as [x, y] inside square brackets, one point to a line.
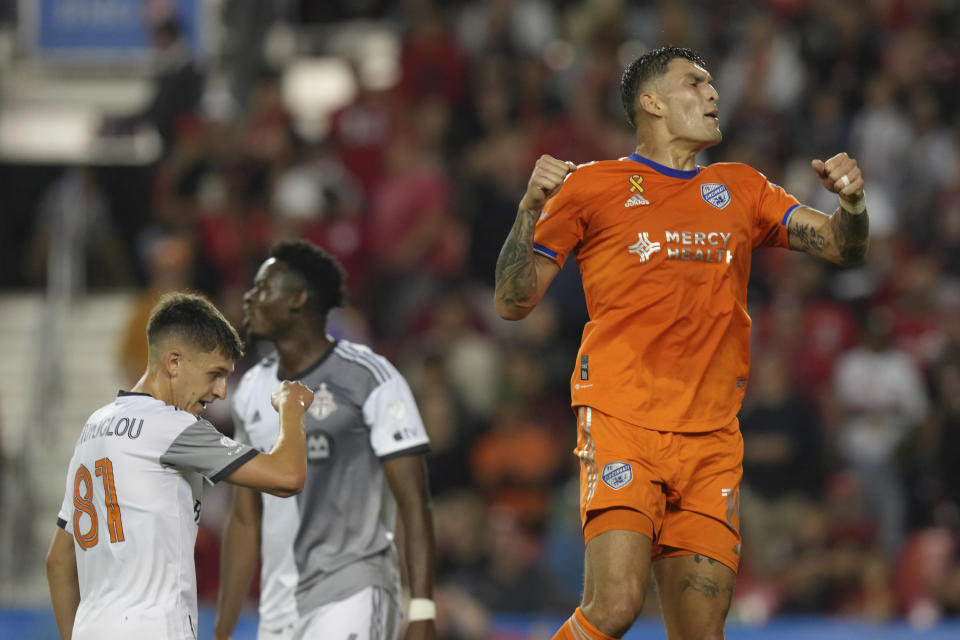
[664, 250]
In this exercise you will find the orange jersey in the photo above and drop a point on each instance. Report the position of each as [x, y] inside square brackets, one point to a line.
[665, 257]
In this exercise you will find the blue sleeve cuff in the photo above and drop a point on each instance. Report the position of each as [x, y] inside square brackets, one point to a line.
[786, 216]
[544, 251]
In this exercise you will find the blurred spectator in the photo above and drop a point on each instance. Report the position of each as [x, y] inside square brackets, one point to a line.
[361, 131]
[247, 23]
[75, 210]
[563, 555]
[459, 523]
[515, 463]
[806, 324]
[511, 577]
[921, 570]
[512, 27]
[170, 263]
[761, 80]
[315, 197]
[448, 423]
[882, 399]
[472, 362]
[431, 60]
[782, 439]
[415, 239]
[931, 163]
[946, 441]
[178, 85]
[916, 293]
[880, 138]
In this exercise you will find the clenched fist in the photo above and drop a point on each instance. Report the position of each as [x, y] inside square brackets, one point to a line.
[547, 177]
[841, 175]
[292, 395]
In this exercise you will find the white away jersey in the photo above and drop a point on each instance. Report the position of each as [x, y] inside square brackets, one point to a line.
[335, 537]
[132, 505]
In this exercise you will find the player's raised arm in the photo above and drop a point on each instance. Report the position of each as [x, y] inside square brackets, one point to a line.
[522, 277]
[283, 471]
[842, 238]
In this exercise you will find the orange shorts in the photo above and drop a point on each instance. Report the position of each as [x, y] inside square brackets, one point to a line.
[682, 490]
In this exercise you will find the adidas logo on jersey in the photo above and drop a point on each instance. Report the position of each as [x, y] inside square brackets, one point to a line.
[635, 201]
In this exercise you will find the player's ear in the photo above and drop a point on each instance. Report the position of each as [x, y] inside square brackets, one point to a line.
[650, 103]
[298, 300]
[172, 359]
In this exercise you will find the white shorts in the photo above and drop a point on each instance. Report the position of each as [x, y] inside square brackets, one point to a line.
[273, 633]
[370, 614]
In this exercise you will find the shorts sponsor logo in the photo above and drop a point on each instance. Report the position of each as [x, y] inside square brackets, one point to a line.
[715, 194]
[617, 475]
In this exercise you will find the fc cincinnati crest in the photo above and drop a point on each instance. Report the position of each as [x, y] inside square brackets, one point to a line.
[715, 194]
[323, 404]
[617, 475]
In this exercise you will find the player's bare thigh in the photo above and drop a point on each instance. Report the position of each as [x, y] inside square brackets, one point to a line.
[695, 595]
[616, 576]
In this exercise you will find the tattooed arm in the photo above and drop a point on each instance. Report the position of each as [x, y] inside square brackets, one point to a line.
[522, 277]
[842, 238]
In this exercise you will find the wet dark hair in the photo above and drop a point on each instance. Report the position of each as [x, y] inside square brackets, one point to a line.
[322, 274]
[194, 318]
[652, 64]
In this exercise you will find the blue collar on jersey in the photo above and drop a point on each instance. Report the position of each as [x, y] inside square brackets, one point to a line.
[665, 170]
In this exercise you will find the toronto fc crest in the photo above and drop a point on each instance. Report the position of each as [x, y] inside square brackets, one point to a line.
[323, 403]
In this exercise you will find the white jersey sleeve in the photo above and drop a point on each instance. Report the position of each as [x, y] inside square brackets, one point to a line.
[390, 411]
[201, 448]
[66, 507]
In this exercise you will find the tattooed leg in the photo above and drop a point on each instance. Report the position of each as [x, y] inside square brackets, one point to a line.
[695, 593]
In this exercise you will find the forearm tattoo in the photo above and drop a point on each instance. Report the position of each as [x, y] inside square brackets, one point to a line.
[810, 239]
[852, 233]
[516, 276]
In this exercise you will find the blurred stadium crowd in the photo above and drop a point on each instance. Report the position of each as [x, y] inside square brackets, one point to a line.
[851, 500]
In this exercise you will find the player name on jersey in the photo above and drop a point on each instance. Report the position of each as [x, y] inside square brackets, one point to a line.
[112, 426]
